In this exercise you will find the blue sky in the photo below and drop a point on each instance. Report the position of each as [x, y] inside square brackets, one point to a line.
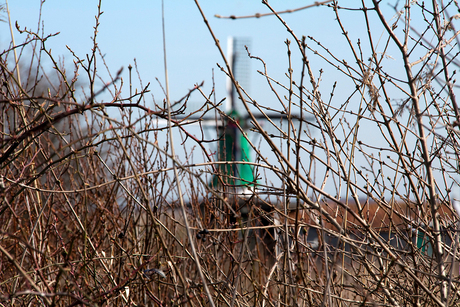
[133, 30]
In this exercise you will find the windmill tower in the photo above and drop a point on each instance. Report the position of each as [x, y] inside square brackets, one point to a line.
[233, 145]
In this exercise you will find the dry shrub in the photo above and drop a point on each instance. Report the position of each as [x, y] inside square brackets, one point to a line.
[91, 214]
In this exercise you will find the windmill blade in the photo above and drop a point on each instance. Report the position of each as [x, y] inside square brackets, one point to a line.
[187, 121]
[209, 121]
[296, 118]
[277, 116]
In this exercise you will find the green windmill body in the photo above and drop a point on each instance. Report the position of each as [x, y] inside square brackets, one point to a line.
[234, 146]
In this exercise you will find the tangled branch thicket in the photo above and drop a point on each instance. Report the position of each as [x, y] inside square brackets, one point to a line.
[88, 205]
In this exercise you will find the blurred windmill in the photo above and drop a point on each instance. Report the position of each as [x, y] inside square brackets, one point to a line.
[233, 146]
[239, 179]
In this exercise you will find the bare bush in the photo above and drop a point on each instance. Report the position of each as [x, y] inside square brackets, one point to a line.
[92, 211]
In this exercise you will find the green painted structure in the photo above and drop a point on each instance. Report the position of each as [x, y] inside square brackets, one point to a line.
[234, 146]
